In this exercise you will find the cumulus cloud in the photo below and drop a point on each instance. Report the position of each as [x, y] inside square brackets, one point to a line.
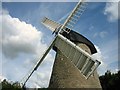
[111, 10]
[1, 78]
[19, 37]
[43, 73]
[108, 55]
[98, 56]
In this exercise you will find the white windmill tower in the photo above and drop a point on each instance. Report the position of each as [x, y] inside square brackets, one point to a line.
[74, 66]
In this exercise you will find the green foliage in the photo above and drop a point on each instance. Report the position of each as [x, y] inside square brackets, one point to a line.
[110, 81]
[11, 86]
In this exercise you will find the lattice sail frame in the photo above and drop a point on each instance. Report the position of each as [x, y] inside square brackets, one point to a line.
[81, 59]
[74, 16]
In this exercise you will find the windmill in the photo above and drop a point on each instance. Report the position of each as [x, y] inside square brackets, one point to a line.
[73, 46]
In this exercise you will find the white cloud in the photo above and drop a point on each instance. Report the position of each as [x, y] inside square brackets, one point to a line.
[91, 28]
[111, 10]
[22, 42]
[98, 56]
[19, 37]
[42, 76]
[101, 34]
[43, 73]
[1, 78]
[116, 70]
[110, 56]
[107, 54]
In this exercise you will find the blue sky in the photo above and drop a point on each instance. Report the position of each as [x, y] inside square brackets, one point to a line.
[98, 23]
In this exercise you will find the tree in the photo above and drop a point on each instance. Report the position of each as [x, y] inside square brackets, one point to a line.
[10, 85]
[110, 81]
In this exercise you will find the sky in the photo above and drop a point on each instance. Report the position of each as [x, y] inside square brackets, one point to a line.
[24, 39]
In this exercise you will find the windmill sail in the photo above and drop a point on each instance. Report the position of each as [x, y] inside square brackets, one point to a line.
[73, 36]
[39, 62]
[50, 24]
[82, 60]
[74, 16]
[69, 22]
